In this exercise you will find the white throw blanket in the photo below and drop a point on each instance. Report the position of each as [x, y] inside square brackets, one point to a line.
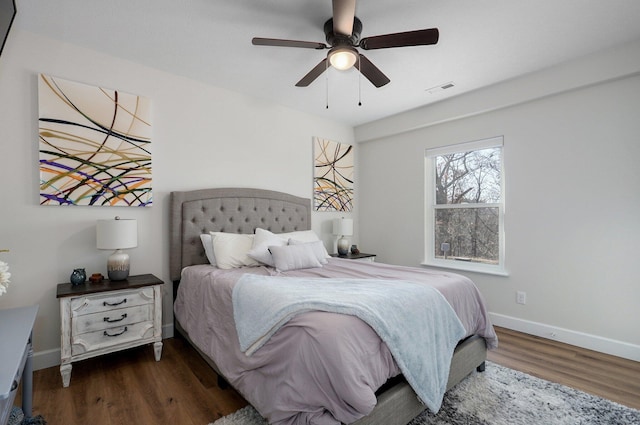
[414, 320]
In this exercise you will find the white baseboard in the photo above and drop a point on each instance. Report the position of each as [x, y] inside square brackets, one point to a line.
[167, 331]
[46, 359]
[567, 336]
[50, 358]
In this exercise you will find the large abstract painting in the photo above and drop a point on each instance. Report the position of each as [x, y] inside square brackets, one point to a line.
[94, 145]
[333, 175]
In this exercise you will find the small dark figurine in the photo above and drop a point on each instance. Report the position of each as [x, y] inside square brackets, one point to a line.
[96, 278]
[78, 277]
[354, 249]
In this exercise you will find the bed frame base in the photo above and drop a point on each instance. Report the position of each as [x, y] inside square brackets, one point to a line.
[398, 404]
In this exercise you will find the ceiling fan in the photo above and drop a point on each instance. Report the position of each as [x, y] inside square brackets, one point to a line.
[342, 33]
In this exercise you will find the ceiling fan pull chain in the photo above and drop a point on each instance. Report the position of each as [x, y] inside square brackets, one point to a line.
[326, 71]
[359, 82]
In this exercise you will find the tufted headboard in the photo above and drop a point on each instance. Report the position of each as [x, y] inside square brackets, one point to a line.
[233, 210]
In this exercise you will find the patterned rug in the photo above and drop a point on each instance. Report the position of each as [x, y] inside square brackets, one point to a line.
[502, 396]
[16, 417]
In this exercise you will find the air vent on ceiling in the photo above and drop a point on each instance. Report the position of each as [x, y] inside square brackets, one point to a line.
[440, 87]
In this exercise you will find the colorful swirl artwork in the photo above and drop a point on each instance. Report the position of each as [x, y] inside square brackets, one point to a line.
[333, 176]
[95, 145]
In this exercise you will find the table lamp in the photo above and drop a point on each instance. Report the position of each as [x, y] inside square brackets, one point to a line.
[343, 227]
[117, 234]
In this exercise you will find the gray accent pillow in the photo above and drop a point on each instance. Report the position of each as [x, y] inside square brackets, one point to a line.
[294, 257]
[318, 249]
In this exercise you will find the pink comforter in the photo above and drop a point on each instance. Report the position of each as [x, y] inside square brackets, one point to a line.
[319, 368]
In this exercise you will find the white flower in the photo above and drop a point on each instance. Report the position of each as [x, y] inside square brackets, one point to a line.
[4, 277]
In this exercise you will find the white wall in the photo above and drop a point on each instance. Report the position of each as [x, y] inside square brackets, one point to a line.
[572, 197]
[566, 155]
[202, 137]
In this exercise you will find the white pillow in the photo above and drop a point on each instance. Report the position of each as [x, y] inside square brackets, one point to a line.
[293, 257]
[230, 250]
[304, 236]
[207, 244]
[318, 249]
[262, 240]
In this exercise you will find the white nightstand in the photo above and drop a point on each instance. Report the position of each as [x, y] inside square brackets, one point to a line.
[358, 257]
[100, 318]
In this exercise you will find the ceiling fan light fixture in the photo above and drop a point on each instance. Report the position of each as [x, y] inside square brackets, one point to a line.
[343, 57]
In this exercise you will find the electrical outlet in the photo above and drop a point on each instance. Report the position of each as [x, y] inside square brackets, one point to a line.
[521, 297]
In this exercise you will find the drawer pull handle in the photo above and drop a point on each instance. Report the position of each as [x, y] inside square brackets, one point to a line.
[124, 316]
[105, 304]
[14, 385]
[118, 334]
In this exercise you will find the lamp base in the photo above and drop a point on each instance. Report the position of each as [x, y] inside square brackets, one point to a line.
[343, 246]
[118, 265]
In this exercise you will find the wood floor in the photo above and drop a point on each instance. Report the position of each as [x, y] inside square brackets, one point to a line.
[606, 376]
[130, 388]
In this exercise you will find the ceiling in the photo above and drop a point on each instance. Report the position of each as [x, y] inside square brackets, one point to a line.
[482, 42]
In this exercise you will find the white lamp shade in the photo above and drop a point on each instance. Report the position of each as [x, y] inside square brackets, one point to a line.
[343, 226]
[117, 234]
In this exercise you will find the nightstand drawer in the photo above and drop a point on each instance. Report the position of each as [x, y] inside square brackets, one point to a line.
[114, 317]
[106, 302]
[110, 337]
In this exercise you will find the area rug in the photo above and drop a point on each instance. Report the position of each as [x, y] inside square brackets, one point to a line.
[16, 417]
[502, 396]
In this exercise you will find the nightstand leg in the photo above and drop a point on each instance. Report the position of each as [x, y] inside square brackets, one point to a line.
[157, 349]
[65, 371]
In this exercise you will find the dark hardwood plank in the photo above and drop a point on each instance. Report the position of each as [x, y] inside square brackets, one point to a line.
[130, 387]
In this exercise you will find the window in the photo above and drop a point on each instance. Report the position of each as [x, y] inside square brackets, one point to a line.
[465, 206]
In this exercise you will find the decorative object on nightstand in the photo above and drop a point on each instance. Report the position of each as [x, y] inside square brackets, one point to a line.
[343, 227]
[78, 277]
[100, 318]
[117, 234]
[96, 278]
[354, 249]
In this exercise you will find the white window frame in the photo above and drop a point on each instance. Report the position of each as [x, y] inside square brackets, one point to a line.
[431, 207]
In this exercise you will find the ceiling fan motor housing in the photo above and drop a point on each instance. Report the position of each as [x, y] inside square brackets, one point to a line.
[334, 39]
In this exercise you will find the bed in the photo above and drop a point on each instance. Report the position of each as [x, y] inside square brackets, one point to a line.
[242, 211]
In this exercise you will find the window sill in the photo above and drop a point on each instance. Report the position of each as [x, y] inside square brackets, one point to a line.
[467, 267]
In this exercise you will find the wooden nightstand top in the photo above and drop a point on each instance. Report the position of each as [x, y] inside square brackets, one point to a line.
[351, 256]
[69, 290]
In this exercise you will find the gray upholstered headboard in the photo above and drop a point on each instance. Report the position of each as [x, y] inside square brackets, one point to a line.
[233, 210]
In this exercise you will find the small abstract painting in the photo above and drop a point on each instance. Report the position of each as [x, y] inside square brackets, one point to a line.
[95, 145]
[333, 175]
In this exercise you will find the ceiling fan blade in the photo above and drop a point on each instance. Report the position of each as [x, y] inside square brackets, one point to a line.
[258, 41]
[401, 39]
[343, 13]
[372, 72]
[313, 74]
